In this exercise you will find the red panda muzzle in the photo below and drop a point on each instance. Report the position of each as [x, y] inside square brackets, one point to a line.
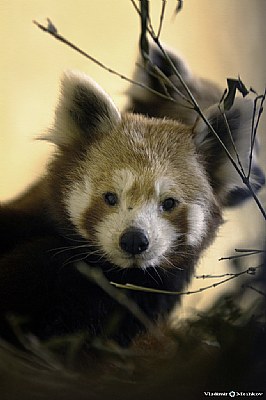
[134, 241]
[139, 198]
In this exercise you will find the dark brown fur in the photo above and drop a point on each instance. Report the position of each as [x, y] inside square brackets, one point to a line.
[44, 231]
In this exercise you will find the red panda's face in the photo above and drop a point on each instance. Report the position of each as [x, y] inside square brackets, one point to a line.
[144, 192]
[137, 199]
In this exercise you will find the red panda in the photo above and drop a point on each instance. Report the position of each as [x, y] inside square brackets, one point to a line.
[139, 197]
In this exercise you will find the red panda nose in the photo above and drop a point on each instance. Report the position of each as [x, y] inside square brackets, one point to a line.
[134, 241]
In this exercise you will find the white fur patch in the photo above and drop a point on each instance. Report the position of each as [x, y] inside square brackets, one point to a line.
[196, 224]
[165, 187]
[144, 214]
[123, 180]
[161, 235]
[77, 201]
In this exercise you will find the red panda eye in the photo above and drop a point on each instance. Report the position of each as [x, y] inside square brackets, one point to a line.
[168, 204]
[110, 198]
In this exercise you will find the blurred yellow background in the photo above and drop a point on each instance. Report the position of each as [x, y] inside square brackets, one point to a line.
[220, 39]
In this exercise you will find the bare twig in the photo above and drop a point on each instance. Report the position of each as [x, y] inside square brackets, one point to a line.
[249, 250]
[232, 139]
[128, 286]
[161, 18]
[187, 90]
[56, 35]
[164, 80]
[155, 75]
[149, 27]
[51, 29]
[246, 253]
[254, 289]
[255, 197]
[255, 127]
[197, 108]
[210, 276]
[189, 93]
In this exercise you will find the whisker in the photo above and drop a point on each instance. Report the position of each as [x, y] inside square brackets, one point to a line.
[146, 270]
[86, 254]
[61, 250]
[157, 273]
[170, 263]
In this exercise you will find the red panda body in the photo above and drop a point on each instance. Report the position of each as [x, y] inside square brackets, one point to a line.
[138, 197]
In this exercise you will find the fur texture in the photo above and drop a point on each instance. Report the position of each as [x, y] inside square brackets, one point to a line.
[138, 197]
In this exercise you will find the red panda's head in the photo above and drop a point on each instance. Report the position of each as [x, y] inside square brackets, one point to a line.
[139, 190]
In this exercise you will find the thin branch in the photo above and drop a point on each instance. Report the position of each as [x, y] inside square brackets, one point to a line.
[56, 35]
[195, 103]
[232, 139]
[255, 197]
[208, 276]
[255, 127]
[249, 250]
[155, 75]
[149, 28]
[51, 29]
[129, 286]
[198, 109]
[246, 254]
[188, 91]
[254, 289]
[164, 80]
[161, 18]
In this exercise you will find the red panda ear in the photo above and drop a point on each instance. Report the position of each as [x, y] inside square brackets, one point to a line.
[234, 130]
[84, 109]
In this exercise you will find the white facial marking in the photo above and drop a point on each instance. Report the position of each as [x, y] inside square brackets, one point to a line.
[164, 186]
[161, 234]
[77, 201]
[145, 215]
[196, 224]
[123, 180]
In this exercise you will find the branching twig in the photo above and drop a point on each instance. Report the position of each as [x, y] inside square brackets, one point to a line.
[245, 252]
[197, 108]
[56, 35]
[94, 273]
[210, 276]
[164, 80]
[189, 97]
[128, 286]
[149, 27]
[196, 105]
